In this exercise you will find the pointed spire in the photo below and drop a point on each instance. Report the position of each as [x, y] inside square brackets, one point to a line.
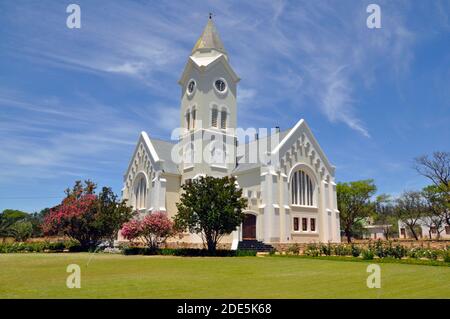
[210, 38]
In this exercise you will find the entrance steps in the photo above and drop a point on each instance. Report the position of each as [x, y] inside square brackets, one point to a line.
[259, 246]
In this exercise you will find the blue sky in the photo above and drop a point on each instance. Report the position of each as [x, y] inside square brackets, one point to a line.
[73, 101]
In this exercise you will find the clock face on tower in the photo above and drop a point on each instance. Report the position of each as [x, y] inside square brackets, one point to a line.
[220, 85]
[191, 87]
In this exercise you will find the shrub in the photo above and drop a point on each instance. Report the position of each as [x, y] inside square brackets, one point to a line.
[154, 229]
[294, 249]
[38, 247]
[418, 252]
[431, 254]
[446, 255]
[326, 249]
[356, 251]
[56, 246]
[379, 250]
[72, 246]
[312, 250]
[414, 252]
[132, 251]
[383, 250]
[398, 251]
[367, 254]
[342, 250]
[131, 230]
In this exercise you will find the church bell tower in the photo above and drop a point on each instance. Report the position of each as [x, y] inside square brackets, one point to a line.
[208, 109]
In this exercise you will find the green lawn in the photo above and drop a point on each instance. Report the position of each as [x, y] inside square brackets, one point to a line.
[117, 276]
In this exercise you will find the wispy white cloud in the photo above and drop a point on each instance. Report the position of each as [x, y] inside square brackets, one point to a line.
[313, 50]
[132, 68]
[245, 97]
[45, 143]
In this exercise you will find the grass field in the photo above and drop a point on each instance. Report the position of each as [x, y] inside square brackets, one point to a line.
[117, 276]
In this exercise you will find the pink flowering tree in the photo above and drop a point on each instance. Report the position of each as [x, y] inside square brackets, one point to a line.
[131, 230]
[153, 229]
[73, 218]
[86, 216]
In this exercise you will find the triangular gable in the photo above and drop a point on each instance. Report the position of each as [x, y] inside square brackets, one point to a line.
[195, 62]
[294, 134]
[150, 149]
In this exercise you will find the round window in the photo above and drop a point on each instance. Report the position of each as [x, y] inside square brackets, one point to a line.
[191, 86]
[220, 85]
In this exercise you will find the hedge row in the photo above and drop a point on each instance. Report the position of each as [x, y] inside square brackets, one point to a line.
[379, 249]
[39, 247]
[186, 252]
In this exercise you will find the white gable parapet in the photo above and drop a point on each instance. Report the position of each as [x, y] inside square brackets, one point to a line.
[301, 136]
[147, 163]
[145, 142]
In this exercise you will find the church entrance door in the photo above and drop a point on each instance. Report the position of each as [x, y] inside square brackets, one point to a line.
[249, 227]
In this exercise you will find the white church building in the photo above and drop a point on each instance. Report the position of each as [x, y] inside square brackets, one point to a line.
[285, 175]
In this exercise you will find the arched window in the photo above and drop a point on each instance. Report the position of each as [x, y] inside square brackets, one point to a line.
[193, 118]
[302, 189]
[141, 193]
[223, 119]
[188, 120]
[214, 115]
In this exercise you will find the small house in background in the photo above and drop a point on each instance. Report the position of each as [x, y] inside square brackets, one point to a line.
[424, 230]
[376, 231]
[372, 230]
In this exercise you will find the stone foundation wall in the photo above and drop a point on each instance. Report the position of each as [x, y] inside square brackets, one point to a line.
[282, 247]
[434, 244]
[226, 246]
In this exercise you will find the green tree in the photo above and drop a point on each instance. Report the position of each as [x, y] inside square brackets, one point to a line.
[111, 213]
[436, 212]
[437, 169]
[5, 228]
[354, 204]
[22, 230]
[211, 207]
[410, 209]
[7, 219]
[385, 215]
[13, 215]
[36, 219]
